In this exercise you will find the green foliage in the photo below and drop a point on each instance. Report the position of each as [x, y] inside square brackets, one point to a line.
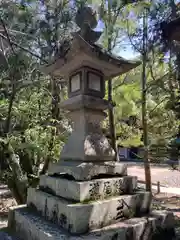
[32, 125]
[124, 23]
[162, 124]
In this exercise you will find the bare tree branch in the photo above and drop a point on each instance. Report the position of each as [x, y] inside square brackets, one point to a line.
[155, 81]
[24, 49]
[158, 105]
[7, 35]
[134, 46]
[122, 83]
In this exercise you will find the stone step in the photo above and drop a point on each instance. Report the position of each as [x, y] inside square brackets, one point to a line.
[29, 226]
[88, 190]
[82, 171]
[81, 217]
[5, 236]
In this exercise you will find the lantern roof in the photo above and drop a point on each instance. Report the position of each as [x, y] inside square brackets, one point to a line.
[171, 29]
[83, 51]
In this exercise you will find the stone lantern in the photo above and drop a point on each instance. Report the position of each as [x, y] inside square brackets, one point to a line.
[86, 66]
[87, 194]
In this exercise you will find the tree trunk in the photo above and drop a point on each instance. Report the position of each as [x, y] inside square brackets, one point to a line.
[144, 107]
[111, 119]
[110, 110]
[55, 114]
[174, 14]
[18, 182]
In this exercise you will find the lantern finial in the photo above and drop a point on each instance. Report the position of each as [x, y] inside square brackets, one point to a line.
[86, 20]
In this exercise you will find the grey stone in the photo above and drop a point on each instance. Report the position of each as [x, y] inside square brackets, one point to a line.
[167, 220]
[86, 20]
[87, 142]
[81, 217]
[88, 190]
[91, 85]
[30, 226]
[85, 101]
[88, 170]
[82, 53]
[5, 236]
[86, 14]
[4, 191]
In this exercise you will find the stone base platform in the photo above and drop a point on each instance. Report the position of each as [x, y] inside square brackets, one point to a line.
[82, 217]
[81, 191]
[28, 226]
[82, 171]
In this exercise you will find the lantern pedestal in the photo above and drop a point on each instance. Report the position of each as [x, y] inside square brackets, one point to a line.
[87, 142]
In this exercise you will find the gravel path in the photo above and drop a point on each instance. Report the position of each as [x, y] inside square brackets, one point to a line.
[166, 176]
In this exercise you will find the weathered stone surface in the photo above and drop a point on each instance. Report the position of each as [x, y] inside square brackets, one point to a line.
[88, 170]
[87, 142]
[82, 53]
[88, 190]
[5, 236]
[30, 226]
[81, 217]
[85, 101]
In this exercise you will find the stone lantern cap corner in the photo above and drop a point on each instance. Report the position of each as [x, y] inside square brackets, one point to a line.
[171, 29]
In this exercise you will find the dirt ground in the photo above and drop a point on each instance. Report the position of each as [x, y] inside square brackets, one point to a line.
[165, 175]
